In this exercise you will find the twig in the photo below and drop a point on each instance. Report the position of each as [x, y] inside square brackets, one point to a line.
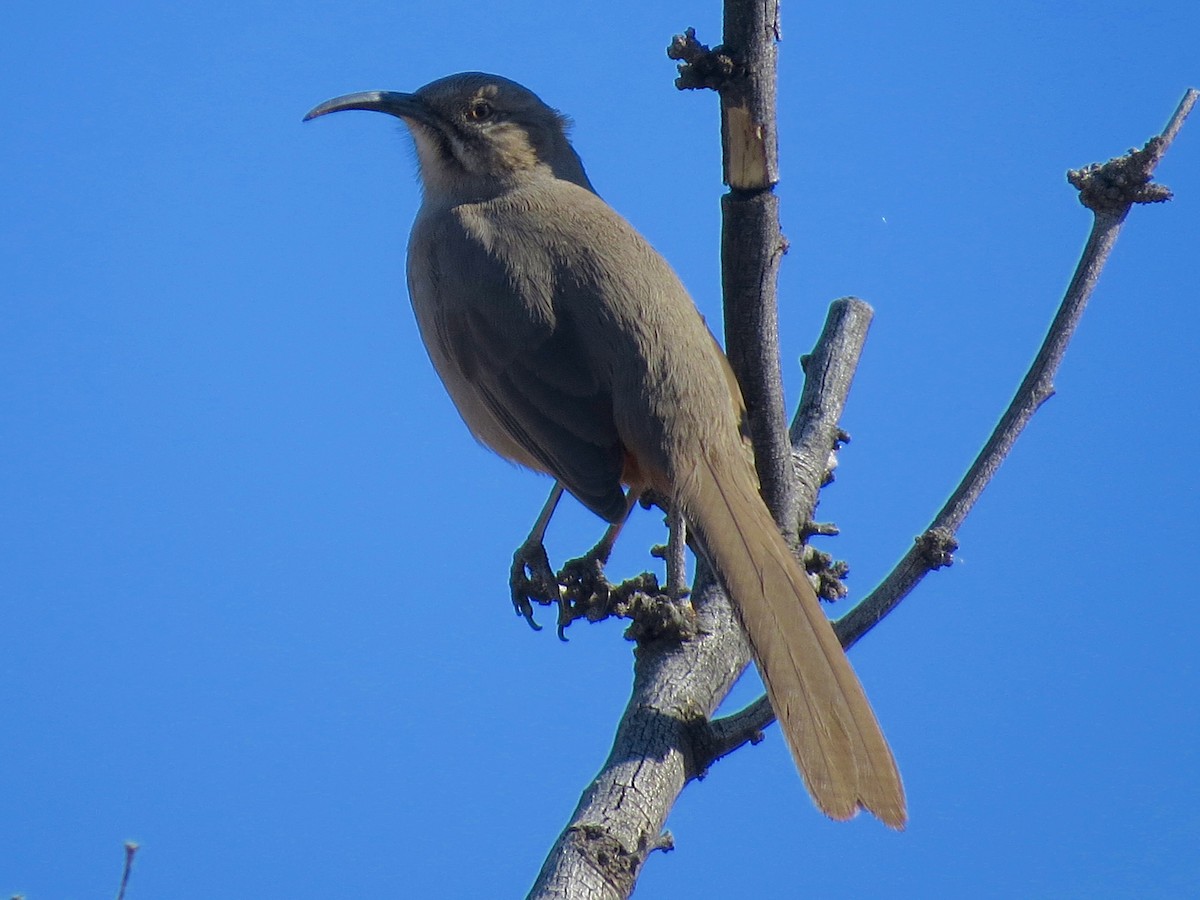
[700, 67]
[828, 374]
[131, 849]
[675, 554]
[752, 245]
[1126, 180]
[828, 371]
[663, 739]
[677, 685]
[1109, 190]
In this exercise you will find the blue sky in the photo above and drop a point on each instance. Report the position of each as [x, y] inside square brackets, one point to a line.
[253, 580]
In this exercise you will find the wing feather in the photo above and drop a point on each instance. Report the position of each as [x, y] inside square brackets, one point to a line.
[503, 345]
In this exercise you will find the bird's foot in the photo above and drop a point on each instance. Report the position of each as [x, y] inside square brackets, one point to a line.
[531, 578]
[581, 590]
[586, 591]
[653, 613]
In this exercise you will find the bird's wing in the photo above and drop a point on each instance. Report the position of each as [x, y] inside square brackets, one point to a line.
[515, 363]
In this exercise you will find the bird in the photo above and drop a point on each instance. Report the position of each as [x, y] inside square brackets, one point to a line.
[571, 347]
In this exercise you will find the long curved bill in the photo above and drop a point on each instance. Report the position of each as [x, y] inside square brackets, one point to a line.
[394, 103]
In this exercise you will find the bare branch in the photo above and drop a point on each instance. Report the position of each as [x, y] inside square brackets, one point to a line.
[675, 553]
[1110, 191]
[677, 685]
[131, 849]
[751, 249]
[664, 738]
[620, 817]
[828, 374]
[752, 245]
[1125, 179]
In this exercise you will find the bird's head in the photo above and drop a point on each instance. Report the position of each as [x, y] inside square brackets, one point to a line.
[476, 134]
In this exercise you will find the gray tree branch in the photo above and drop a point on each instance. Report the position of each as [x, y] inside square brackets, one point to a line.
[678, 685]
[1110, 190]
[665, 737]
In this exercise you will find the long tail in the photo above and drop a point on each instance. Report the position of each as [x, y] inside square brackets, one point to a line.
[825, 716]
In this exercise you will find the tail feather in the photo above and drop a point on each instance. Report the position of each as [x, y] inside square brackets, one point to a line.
[825, 716]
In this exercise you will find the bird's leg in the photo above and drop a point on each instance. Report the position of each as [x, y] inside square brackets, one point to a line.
[531, 575]
[655, 612]
[604, 547]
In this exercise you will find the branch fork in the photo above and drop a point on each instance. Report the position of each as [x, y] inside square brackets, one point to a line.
[667, 736]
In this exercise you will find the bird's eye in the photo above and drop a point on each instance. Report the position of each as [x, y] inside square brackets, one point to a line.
[480, 111]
